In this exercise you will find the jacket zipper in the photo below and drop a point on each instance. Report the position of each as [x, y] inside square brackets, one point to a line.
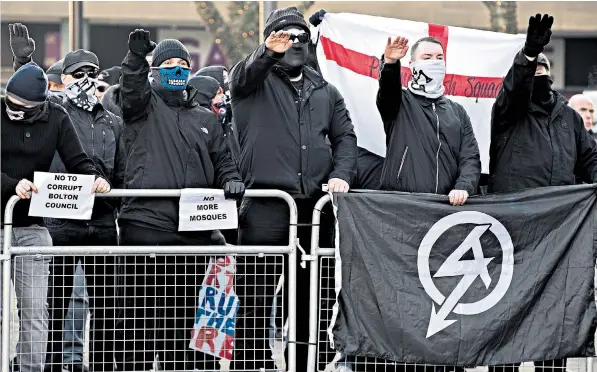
[104, 143]
[401, 164]
[93, 139]
[438, 148]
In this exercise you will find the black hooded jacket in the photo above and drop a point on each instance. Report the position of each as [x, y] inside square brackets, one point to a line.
[531, 147]
[283, 136]
[431, 147]
[207, 88]
[111, 100]
[171, 143]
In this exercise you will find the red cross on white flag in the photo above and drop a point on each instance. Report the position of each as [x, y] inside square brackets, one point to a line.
[350, 46]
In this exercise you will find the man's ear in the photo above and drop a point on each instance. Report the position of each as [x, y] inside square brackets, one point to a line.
[62, 77]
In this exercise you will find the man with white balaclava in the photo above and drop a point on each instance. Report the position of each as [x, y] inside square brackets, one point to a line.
[99, 132]
[537, 140]
[172, 143]
[431, 147]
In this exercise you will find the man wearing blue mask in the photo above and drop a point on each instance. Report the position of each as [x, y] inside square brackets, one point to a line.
[172, 143]
[430, 139]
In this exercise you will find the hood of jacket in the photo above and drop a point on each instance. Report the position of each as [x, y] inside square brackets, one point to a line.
[207, 88]
[111, 100]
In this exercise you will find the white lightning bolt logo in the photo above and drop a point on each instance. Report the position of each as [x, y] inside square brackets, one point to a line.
[470, 269]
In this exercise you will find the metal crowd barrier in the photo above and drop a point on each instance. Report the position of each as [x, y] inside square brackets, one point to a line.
[322, 297]
[253, 252]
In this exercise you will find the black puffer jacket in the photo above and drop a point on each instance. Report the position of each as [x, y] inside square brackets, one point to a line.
[283, 136]
[431, 147]
[531, 147]
[171, 143]
[99, 131]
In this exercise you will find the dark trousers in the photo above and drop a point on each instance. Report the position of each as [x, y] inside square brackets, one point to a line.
[556, 365]
[100, 274]
[160, 303]
[266, 222]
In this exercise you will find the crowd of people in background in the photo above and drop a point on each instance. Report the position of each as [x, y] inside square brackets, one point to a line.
[271, 122]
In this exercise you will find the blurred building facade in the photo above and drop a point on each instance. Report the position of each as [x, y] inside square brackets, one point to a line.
[107, 24]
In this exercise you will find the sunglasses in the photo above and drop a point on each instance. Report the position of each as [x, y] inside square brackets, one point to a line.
[79, 74]
[301, 38]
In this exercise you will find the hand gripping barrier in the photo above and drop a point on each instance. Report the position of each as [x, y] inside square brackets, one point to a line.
[322, 297]
[258, 251]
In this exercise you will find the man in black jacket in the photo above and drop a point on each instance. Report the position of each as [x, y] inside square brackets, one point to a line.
[99, 132]
[172, 143]
[33, 130]
[431, 147]
[285, 112]
[536, 138]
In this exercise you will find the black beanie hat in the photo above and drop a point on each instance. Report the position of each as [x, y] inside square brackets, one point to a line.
[29, 84]
[169, 48]
[280, 18]
[55, 71]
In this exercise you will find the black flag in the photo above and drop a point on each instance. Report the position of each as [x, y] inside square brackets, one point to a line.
[503, 279]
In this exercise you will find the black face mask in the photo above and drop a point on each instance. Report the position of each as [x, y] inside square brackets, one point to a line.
[541, 94]
[25, 114]
[294, 59]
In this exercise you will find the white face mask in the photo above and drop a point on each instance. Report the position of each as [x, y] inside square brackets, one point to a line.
[82, 93]
[428, 77]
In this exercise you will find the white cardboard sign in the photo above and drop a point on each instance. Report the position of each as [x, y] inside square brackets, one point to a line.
[202, 210]
[62, 195]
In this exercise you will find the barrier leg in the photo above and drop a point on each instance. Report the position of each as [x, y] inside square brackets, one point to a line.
[313, 283]
[292, 285]
[6, 263]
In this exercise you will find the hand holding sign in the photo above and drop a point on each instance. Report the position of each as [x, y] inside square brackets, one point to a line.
[338, 185]
[101, 185]
[24, 187]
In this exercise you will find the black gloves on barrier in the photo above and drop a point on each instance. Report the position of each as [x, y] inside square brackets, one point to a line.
[234, 190]
[538, 34]
[317, 17]
[21, 44]
[140, 43]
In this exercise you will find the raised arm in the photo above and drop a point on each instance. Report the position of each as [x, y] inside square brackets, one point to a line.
[21, 44]
[389, 95]
[135, 91]
[251, 72]
[517, 87]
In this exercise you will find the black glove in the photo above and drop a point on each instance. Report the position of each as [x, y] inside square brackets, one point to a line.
[140, 43]
[538, 35]
[21, 44]
[234, 190]
[317, 17]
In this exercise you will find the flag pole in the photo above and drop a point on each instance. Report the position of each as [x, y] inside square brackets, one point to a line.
[261, 21]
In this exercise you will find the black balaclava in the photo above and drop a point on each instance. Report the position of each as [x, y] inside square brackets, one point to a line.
[295, 58]
[542, 94]
[287, 19]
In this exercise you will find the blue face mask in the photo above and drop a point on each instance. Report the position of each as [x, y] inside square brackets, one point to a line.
[174, 78]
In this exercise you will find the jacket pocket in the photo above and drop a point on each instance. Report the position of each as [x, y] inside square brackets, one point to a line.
[401, 164]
